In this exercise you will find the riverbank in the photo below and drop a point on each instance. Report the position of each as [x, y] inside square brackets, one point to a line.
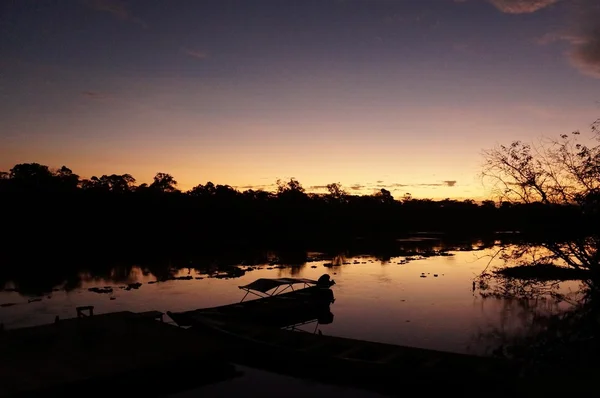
[134, 354]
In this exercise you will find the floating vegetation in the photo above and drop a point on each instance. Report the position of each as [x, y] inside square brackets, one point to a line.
[543, 272]
[100, 290]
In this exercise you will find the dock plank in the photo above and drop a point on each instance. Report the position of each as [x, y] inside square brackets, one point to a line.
[109, 347]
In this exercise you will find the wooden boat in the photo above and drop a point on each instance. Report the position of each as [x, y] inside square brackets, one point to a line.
[279, 303]
[377, 366]
[385, 368]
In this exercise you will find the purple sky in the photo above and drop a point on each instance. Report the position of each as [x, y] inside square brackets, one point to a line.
[374, 93]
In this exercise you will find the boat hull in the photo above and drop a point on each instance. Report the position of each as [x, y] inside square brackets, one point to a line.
[385, 368]
[273, 311]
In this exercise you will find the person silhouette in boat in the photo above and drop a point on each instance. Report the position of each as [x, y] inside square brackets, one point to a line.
[325, 281]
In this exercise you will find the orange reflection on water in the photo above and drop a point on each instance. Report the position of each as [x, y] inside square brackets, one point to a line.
[391, 301]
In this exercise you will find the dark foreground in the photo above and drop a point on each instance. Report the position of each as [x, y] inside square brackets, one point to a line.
[133, 355]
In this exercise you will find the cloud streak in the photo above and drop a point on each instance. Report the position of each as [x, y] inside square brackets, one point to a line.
[521, 6]
[583, 37]
[92, 95]
[360, 187]
[195, 53]
[585, 43]
[116, 8]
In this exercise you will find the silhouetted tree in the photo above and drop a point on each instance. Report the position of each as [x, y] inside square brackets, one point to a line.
[203, 190]
[291, 190]
[31, 176]
[291, 186]
[164, 183]
[67, 179]
[558, 173]
[384, 196]
[337, 193]
[110, 183]
[488, 204]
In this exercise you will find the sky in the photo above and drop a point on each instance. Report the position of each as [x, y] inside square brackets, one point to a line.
[402, 95]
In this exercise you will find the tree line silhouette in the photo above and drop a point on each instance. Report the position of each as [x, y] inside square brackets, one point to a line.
[55, 212]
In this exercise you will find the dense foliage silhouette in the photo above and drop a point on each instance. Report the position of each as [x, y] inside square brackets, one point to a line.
[53, 213]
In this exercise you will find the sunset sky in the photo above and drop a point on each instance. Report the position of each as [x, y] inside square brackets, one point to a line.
[403, 95]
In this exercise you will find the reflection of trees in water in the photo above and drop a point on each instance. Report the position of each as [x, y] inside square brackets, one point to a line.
[542, 321]
[561, 174]
[40, 277]
[512, 318]
[545, 333]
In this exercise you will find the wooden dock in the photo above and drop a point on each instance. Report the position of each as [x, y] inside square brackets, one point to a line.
[133, 354]
[123, 352]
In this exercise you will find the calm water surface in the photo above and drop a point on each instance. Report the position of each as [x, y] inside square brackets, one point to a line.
[384, 301]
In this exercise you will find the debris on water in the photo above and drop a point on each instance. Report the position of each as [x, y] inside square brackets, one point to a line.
[7, 304]
[182, 278]
[435, 275]
[270, 268]
[113, 298]
[136, 285]
[33, 300]
[328, 265]
[313, 266]
[199, 277]
[152, 282]
[100, 290]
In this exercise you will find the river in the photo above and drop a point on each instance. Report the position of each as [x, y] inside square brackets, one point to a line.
[428, 302]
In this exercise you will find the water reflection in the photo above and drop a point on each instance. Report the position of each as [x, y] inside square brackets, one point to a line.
[417, 293]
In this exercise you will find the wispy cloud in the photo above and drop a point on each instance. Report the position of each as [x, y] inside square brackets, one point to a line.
[264, 187]
[583, 37]
[93, 95]
[585, 43]
[356, 187]
[446, 183]
[195, 53]
[521, 6]
[116, 8]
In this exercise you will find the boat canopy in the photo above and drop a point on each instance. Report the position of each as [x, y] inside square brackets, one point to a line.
[263, 285]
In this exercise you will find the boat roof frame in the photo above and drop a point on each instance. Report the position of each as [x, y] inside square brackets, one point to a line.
[263, 286]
